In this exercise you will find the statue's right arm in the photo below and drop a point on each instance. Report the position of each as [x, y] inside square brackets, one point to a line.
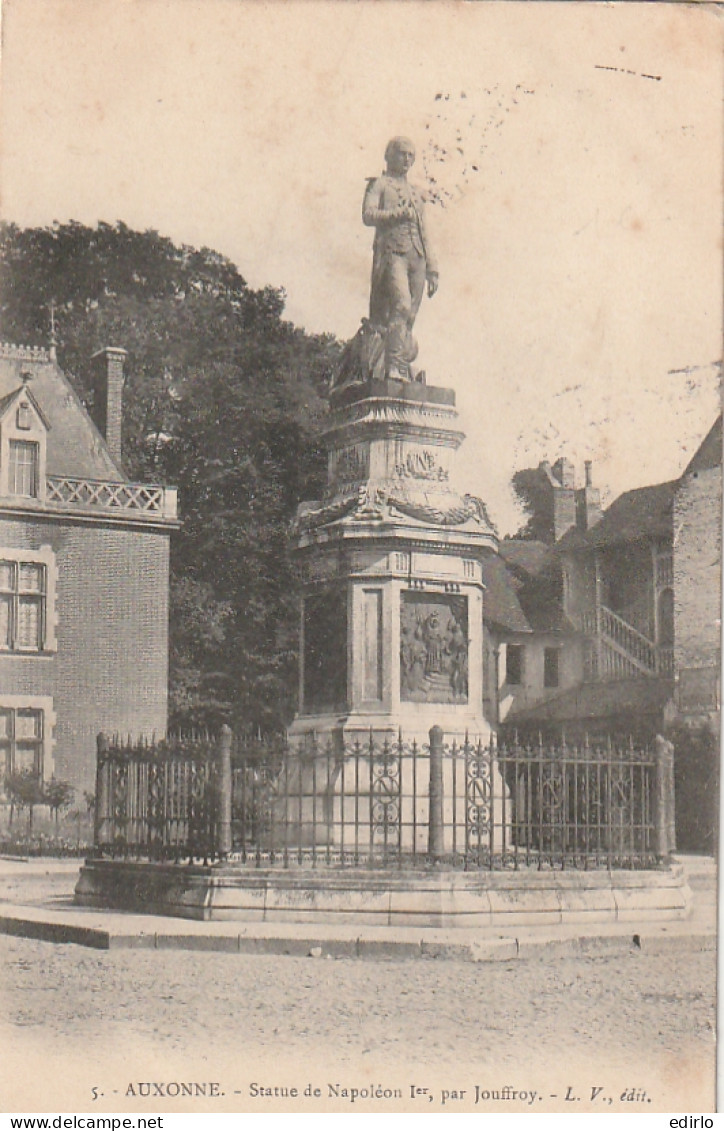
[372, 212]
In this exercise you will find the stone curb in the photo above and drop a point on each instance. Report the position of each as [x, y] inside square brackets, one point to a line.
[46, 931]
[434, 947]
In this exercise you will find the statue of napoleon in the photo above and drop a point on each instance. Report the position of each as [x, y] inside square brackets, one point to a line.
[402, 263]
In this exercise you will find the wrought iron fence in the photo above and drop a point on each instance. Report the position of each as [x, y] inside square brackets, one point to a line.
[384, 802]
[157, 800]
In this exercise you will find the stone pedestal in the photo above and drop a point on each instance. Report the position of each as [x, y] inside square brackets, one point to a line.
[392, 617]
[496, 901]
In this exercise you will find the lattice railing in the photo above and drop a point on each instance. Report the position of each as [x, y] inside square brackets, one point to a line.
[140, 497]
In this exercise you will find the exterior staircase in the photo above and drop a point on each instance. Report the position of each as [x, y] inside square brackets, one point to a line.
[617, 650]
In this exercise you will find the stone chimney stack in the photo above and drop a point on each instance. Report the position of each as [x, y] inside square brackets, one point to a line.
[588, 501]
[108, 396]
[561, 478]
[565, 473]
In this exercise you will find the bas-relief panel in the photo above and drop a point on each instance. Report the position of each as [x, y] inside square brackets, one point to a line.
[433, 649]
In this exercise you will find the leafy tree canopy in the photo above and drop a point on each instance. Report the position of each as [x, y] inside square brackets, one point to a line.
[223, 397]
[534, 493]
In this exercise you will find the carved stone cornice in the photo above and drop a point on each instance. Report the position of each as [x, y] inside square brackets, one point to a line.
[388, 417]
[374, 502]
[390, 464]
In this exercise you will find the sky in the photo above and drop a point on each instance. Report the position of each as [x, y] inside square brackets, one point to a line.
[574, 157]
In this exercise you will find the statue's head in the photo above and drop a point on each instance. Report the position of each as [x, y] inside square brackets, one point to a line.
[400, 155]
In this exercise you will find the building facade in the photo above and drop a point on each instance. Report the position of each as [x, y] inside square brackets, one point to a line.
[84, 573]
[641, 589]
[532, 651]
[697, 583]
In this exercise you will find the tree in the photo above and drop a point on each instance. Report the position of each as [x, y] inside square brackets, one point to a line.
[223, 398]
[24, 789]
[57, 795]
[696, 772]
[242, 462]
[533, 491]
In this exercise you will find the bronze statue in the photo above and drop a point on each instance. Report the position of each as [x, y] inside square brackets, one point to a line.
[402, 261]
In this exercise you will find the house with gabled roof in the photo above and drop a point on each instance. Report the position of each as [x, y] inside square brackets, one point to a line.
[531, 650]
[641, 590]
[618, 586]
[84, 572]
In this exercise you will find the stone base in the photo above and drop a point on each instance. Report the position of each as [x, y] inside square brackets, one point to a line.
[419, 898]
[413, 391]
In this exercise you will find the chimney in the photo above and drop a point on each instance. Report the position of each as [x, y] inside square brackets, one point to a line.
[565, 473]
[108, 396]
[556, 508]
[588, 501]
[561, 478]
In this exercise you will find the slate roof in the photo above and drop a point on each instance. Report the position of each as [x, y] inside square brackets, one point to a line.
[604, 699]
[645, 512]
[75, 447]
[527, 557]
[544, 612]
[709, 454]
[535, 576]
[501, 606]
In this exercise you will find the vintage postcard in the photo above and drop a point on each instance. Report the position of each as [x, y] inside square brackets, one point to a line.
[360, 556]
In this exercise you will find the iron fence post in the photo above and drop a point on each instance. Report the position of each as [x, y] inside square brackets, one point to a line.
[101, 804]
[224, 771]
[436, 846]
[664, 793]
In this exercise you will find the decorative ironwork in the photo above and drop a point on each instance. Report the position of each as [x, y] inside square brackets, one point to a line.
[385, 796]
[381, 801]
[478, 804]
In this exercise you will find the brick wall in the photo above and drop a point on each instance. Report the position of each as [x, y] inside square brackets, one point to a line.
[697, 570]
[110, 671]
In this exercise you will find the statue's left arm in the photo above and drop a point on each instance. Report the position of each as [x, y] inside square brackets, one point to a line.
[431, 268]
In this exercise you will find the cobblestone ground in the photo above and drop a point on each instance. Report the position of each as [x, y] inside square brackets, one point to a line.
[645, 1014]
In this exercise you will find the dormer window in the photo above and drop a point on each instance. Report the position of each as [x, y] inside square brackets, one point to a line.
[23, 468]
[23, 442]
